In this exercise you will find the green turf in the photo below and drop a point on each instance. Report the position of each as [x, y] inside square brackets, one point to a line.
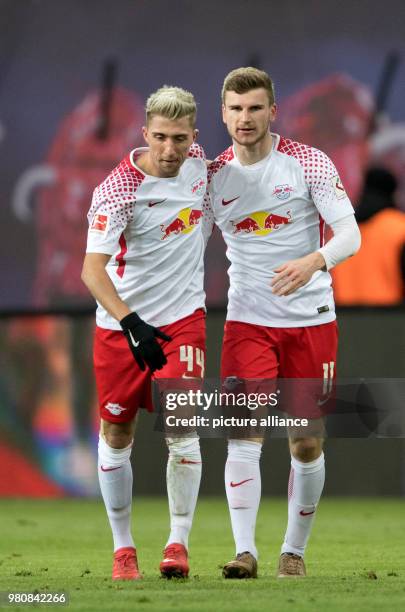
[355, 561]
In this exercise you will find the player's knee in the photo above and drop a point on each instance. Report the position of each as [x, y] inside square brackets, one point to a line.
[306, 449]
[117, 435]
[118, 439]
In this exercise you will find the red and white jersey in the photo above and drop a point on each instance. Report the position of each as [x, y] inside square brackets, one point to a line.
[271, 212]
[151, 228]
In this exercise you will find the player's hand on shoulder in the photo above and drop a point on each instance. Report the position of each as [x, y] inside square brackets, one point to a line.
[142, 341]
[296, 273]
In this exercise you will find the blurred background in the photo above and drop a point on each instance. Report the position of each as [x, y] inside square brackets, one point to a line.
[74, 77]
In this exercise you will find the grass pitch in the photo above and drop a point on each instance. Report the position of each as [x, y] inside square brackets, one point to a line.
[355, 560]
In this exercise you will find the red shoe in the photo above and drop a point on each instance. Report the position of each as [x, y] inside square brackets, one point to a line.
[174, 564]
[125, 565]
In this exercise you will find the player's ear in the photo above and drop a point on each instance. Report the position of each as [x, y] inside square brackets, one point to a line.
[195, 134]
[273, 111]
[223, 113]
[145, 133]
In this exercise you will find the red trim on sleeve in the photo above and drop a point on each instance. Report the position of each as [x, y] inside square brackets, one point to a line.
[321, 231]
[120, 258]
[196, 150]
[219, 162]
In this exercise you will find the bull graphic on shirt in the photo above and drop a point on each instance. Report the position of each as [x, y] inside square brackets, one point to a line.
[260, 223]
[185, 222]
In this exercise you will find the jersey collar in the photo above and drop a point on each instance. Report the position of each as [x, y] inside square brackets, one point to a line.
[264, 160]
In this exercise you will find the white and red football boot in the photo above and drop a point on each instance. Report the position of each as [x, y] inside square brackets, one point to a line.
[125, 566]
[175, 562]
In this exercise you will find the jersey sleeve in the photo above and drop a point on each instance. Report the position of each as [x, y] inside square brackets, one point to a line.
[325, 186]
[197, 151]
[208, 203]
[108, 217]
[208, 220]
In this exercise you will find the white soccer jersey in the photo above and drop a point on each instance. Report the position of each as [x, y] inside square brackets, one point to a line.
[269, 213]
[151, 228]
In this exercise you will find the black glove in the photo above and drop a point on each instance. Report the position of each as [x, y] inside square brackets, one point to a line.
[142, 341]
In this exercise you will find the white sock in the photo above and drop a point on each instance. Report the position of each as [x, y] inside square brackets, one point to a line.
[304, 492]
[243, 490]
[115, 477]
[183, 478]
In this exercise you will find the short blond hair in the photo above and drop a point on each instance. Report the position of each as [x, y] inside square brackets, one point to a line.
[172, 103]
[242, 80]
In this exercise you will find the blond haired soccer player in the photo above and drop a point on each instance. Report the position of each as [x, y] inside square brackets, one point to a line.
[271, 197]
[144, 267]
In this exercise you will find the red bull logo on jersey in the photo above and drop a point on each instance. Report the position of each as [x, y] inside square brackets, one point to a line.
[260, 223]
[198, 187]
[185, 222]
[282, 192]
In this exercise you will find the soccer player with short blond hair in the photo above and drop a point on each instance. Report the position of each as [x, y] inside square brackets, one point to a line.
[270, 197]
[144, 267]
